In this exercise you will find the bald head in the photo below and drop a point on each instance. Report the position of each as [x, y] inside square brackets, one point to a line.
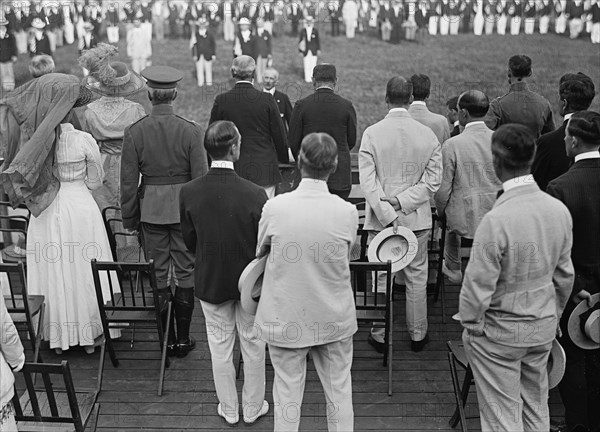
[472, 106]
[399, 91]
[243, 68]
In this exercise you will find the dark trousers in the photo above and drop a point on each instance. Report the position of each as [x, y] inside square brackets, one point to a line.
[335, 27]
[580, 386]
[164, 244]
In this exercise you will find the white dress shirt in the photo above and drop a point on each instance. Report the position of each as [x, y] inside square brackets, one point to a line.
[221, 164]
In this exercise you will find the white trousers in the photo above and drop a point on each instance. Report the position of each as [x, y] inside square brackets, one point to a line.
[489, 25]
[221, 323]
[478, 23]
[595, 36]
[415, 279]
[333, 362]
[228, 29]
[575, 27]
[204, 71]
[502, 19]
[112, 34]
[310, 61]
[261, 66]
[444, 25]
[138, 64]
[350, 26]
[544, 24]
[7, 76]
[529, 25]
[69, 31]
[433, 24]
[515, 25]
[560, 24]
[512, 384]
[454, 25]
[269, 27]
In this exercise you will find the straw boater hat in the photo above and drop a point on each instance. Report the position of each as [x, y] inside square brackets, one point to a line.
[88, 26]
[556, 364]
[400, 248]
[250, 284]
[584, 324]
[38, 24]
[113, 78]
[244, 21]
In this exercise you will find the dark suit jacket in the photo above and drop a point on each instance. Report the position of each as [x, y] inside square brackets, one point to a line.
[205, 46]
[325, 111]
[285, 107]
[551, 158]
[42, 47]
[313, 45]
[579, 190]
[256, 116]
[219, 222]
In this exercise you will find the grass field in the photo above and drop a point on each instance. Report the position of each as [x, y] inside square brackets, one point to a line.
[454, 64]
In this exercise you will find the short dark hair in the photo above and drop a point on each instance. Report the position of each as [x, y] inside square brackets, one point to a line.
[399, 90]
[162, 96]
[586, 126]
[318, 154]
[514, 145]
[421, 86]
[520, 66]
[219, 137]
[452, 103]
[325, 72]
[578, 90]
[475, 102]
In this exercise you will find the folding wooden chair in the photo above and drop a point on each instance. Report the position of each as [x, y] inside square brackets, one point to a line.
[23, 307]
[457, 357]
[436, 249]
[14, 224]
[131, 306]
[114, 229]
[53, 409]
[375, 306]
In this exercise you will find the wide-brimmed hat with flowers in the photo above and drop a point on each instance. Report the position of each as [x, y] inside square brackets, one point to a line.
[111, 78]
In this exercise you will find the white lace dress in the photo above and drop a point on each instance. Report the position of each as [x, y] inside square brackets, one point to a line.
[62, 241]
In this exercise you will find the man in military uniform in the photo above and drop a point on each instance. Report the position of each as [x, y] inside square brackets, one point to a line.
[167, 150]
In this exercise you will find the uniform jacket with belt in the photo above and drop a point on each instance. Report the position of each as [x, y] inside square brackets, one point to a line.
[436, 122]
[520, 274]
[325, 111]
[399, 157]
[168, 151]
[521, 105]
[219, 222]
[469, 184]
[264, 144]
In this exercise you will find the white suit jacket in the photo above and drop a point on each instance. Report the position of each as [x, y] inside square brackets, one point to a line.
[436, 122]
[469, 185]
[399, 157]
[306, 297]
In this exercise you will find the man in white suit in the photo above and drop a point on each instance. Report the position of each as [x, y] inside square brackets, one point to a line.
[400, 167]
[419, 111]
[516, 286]
[307, 301]
[469, 185]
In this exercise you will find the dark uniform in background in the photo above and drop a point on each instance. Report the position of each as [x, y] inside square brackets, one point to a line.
[168, 151]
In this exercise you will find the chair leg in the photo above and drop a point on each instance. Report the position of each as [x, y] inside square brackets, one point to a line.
[37, 357]
[443, 293]
[163, 360]
[390, 352]
[110, 348]
[460, 394]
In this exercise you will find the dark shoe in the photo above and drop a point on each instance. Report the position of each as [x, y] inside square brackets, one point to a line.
[417, 346]
[172, 350]
[379, 346]
[183, 348]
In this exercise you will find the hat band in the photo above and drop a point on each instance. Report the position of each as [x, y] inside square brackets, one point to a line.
[119, 81]
[585, 317]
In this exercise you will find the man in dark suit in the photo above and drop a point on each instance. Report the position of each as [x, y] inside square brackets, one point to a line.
[219, 221]
[166, 150]
[309, 46]
[245, 41]
[283, 101]
[256, 116]
[576, 93]
[579, 190]
[204, 51]
[325, 111]
[39, 43]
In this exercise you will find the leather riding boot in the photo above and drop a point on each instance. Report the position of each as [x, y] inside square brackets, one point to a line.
[164, 295]
[184, 308]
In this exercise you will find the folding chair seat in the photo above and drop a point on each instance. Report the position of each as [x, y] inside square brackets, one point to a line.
[22, 306]
[55, 406]
[375, 306]
[457, 357]
[131, 305]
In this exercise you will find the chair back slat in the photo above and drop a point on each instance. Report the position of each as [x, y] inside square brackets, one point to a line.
[72, 396]
[33, 400]
[17, 301]
[370, 294]
[50, 395]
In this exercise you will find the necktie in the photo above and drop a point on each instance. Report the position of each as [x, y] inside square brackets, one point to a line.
[34, 45]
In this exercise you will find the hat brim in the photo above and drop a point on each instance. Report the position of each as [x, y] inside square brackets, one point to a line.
[250, 284]
[400, 248]
[578, 337]
[135, 85]
[557, 362]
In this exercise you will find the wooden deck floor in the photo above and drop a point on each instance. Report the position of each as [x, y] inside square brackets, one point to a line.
[422, 399]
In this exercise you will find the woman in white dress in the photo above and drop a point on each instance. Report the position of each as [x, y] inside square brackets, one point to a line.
[66, 230]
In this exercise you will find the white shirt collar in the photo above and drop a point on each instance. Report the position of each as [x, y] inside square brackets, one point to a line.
[272, 91]
[244, 81]
[422, 103]
[587, 155]
[221, 164]
[398, 110]
[567, 117]
[518, 181]
[456, 123]
[313, 184]
[475, 123]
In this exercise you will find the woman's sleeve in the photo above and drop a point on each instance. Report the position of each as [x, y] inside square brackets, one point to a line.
[93, 160]
[10, 343]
